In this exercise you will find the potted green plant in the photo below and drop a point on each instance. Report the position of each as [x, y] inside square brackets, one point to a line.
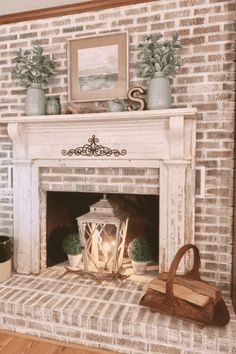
[72, 247]
[140, 253]
[159, 62]
[33, 69]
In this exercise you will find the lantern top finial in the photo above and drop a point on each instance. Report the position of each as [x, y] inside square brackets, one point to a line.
[104, 209]
[105, 206]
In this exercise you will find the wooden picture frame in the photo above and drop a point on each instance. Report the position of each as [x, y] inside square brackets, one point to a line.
[98, 67]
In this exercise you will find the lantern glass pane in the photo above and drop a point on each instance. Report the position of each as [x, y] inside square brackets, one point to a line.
[121, 244]
[100, 240]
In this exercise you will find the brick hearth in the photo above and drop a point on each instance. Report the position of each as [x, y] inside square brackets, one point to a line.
[105, 315]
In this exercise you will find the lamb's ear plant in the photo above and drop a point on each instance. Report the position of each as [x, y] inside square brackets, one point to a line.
[33, 67]
[156, 56]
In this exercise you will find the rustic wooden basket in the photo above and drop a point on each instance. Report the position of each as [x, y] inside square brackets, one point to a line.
[186, 296]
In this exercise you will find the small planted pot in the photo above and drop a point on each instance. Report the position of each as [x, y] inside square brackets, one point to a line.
[5, 258]
[74, 260]
[53, 105]
[140, 254]
[116, 106]
[139, 267]
[72, 247]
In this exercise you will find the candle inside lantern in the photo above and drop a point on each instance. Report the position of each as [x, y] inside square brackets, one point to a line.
[107, 250]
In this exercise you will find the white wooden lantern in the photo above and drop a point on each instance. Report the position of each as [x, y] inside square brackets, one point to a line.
[103, 231]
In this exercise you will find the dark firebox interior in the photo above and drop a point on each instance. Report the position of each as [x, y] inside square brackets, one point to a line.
[64, 207]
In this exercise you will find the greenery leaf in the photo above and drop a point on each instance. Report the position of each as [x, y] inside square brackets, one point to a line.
[158, 57]
[33, 67]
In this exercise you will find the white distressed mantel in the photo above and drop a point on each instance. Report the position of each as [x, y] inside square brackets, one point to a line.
[163, 139]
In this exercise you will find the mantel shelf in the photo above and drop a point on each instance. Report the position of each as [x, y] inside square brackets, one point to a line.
[145, 135]
[103, 116]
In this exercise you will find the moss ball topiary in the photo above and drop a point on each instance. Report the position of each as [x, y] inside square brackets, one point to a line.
[139, 250]
[71, 244]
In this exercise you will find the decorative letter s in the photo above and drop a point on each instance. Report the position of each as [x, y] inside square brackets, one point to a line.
[132, 97]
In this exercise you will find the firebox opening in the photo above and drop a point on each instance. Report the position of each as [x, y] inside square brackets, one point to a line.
[64, 207]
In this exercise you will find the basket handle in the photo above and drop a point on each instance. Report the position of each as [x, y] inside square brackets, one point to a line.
[194, 272]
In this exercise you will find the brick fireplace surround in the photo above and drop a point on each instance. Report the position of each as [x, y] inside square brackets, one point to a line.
[77, 310]
[160, 160]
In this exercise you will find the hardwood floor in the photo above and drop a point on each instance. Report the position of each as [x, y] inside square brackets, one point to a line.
[13, 343]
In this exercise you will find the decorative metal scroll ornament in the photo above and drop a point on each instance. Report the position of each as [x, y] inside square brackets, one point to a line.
[93, 149]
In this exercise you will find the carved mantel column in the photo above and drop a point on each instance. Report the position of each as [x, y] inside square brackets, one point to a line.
[177, 198]
[22, 191]
[176, 211]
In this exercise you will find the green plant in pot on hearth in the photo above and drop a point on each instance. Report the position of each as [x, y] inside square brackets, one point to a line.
[140, 253]
[159, 62]
[33, 70]
[72, 247]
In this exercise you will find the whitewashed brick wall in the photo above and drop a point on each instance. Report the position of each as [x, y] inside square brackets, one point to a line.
[101, 180]
[206, 80]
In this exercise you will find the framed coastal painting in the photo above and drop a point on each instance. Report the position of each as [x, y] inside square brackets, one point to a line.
[98, 67]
